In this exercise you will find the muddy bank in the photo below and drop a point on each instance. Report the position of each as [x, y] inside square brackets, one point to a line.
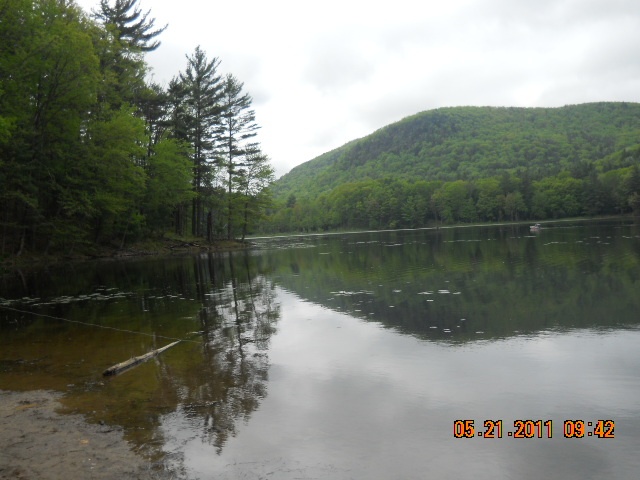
[38, 443]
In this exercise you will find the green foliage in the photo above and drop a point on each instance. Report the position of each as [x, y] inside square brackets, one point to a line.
[49, 77]
[253, 191]
[5, 129]
[130, 24]
[197, 95]
[482, 163]
[476, 142]
[119, 183]
[491, 201]
[168, 182]
[92, 154]
[237, 128]
[557, 197]
[515, 206]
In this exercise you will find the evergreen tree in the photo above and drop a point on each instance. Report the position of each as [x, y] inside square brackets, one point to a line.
[92, 154]
[127, 34]
[154, 107]
[254, 179]
[130, 25]
[237, 128]
[198, 93]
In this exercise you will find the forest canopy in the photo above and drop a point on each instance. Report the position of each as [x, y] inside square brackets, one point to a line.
[92, 153]
[466, 164]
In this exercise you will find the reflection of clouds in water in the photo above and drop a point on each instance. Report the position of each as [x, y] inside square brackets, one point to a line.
[354, 399]
[351, 399]
[367, 349]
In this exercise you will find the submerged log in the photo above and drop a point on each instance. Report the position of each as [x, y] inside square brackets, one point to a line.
[132, 362]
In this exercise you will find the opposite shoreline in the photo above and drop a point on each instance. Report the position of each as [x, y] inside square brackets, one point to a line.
[172, 246]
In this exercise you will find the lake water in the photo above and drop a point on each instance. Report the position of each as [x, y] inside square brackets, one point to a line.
[353, 356]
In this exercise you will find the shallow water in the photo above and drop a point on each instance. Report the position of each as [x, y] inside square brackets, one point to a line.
[351, 356]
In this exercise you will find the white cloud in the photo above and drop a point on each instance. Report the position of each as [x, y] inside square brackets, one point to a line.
[323, 74]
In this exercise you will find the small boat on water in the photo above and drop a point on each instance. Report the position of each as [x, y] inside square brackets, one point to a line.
[535, 228]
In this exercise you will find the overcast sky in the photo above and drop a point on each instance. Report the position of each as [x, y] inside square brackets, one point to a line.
[324, 73]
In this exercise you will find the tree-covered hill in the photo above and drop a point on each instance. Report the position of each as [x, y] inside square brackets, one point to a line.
[468, 143]
[468, 164]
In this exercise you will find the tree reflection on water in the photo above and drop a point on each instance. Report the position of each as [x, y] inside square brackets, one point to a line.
[237, 321]
[213, 379]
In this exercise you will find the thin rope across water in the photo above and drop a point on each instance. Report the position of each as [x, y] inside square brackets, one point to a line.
[99, 326]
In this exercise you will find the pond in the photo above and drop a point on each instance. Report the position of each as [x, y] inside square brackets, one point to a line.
[373, 355]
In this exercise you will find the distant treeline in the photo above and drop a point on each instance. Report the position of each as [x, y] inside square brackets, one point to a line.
[468, 164]
[92, 153]
[396, 203]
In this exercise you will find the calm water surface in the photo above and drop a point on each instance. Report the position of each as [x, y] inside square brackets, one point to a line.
[351, 356]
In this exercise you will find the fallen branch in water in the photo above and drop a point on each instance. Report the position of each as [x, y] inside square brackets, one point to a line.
[132, 362]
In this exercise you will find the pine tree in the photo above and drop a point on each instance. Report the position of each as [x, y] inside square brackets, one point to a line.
[132, 27]
[256, 176]
[199, 91]
[126, 36]
[238, 127]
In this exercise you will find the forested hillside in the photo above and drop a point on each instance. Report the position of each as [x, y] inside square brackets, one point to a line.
[92, 154]
[470, 164]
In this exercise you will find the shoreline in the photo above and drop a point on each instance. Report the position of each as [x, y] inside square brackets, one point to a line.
[170, 247]
[152, 248]
[37, 442]
[440, 226]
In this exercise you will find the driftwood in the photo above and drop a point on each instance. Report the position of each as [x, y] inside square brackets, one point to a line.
[132, 362]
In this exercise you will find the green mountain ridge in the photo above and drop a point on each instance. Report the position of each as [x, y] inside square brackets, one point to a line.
[470, 164]
[468, 143]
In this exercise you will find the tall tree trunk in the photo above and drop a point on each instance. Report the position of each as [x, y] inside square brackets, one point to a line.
[194, 217]
[246, 219]
[4, 231]
[229, 204]
[124, 235]
[22, 237]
